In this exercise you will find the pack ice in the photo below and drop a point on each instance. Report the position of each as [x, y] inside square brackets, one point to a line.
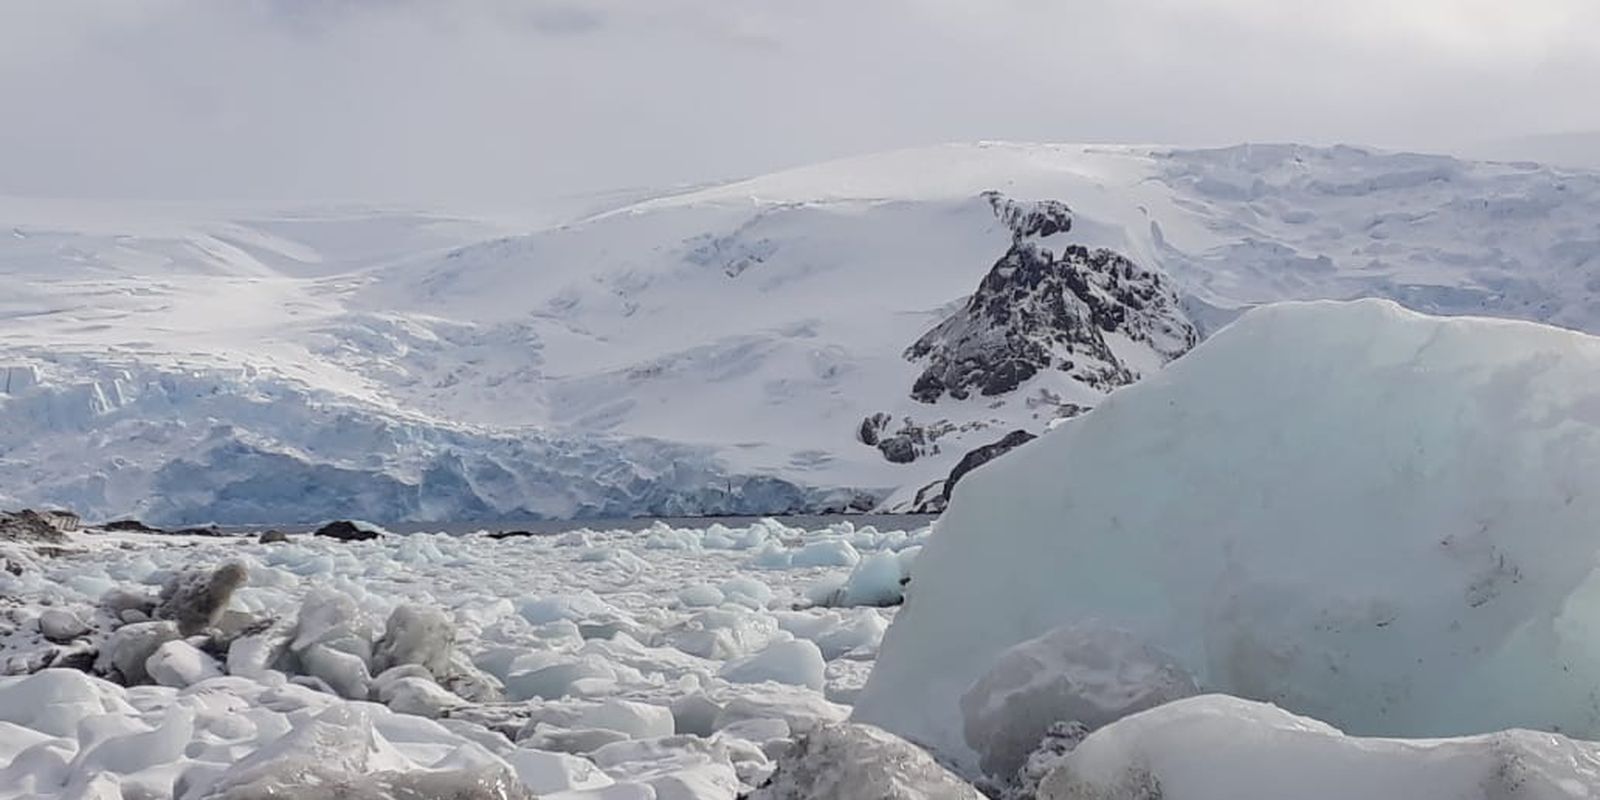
[1379, 519]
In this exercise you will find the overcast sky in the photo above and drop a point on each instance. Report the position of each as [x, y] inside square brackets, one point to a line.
[418, 101]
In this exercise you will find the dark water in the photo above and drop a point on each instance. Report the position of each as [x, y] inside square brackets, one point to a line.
[883, 522]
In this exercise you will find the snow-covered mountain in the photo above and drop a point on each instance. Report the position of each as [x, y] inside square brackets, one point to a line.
[834, 336]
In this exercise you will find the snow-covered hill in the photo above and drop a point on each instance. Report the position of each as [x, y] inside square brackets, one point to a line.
[732, 348]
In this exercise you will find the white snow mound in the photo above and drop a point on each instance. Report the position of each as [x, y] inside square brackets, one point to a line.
[1217, 747]
[1366, 515]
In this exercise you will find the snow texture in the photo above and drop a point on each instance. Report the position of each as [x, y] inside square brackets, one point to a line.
[714, 350]
[859, 762]
[1216, 747]
[1359, 513]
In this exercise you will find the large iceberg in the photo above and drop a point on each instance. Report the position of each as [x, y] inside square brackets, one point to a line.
[1377, 518]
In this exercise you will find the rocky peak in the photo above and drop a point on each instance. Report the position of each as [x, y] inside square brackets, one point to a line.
[1036, 311]
[1030, 219]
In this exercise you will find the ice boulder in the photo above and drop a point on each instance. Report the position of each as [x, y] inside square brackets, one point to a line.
[179, 664]
[797, 662]
[1363, 514]
[847, 761]
[418, 635]
[1084, 673]
[1216, 747]
[124, 654]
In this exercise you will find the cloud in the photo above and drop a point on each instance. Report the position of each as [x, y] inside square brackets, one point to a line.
[505, 102]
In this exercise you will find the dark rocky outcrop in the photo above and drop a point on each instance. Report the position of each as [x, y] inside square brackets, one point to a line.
[981, 456]
[1036, 310]
[346, 531]
[130, 526]
[29, 526]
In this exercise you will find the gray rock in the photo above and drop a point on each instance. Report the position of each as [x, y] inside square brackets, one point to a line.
[272, 537]
[195, 599]
[60, 625]
[848, 761]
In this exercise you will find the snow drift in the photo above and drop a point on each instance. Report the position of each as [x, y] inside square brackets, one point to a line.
[1222, 748]
[1370, 516]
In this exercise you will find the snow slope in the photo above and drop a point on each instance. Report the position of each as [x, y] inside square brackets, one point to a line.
[1377, 518]
[716, 349]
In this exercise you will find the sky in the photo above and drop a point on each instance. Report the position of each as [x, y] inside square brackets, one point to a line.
[518, 101]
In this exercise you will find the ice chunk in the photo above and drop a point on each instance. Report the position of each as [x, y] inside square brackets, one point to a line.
[123, 656]
[638, 720]
[700, 596]
[53, 701]
[798, 662]
[344, 672]
[555, 772]
[1216, 747]
[848, 761]
[1083, 672]
[826, 553]
[178, 664]
[1363, 514]
[416, 635]
[417, 695]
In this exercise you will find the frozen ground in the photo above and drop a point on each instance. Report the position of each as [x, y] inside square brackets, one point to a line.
[666, 663]
[713, 350]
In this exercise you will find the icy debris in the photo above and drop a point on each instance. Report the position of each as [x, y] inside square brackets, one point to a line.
[124, 654]
[878, 580]
[179, 664]
[196, 598]
[546, 773]
[1216, 747]
[1366, 515]
[797, 662]
[416, 635]
[700, 596]
[847, 761]
[637, 720]
[722, 633]
[30, 527]
[61, 625]
[676, 767]
[54, 701]
[343, 672]
[1084, 673]
[1059, 741]
[826, 553]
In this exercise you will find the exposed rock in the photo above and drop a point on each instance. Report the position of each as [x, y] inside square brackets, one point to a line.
[272, 537]
[195, 599]
[1036, 311]
[130, 526]
[60, 625]
[871, 428]
[1027, 220]
[346, 531]
[29, 526]
[981, 456]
